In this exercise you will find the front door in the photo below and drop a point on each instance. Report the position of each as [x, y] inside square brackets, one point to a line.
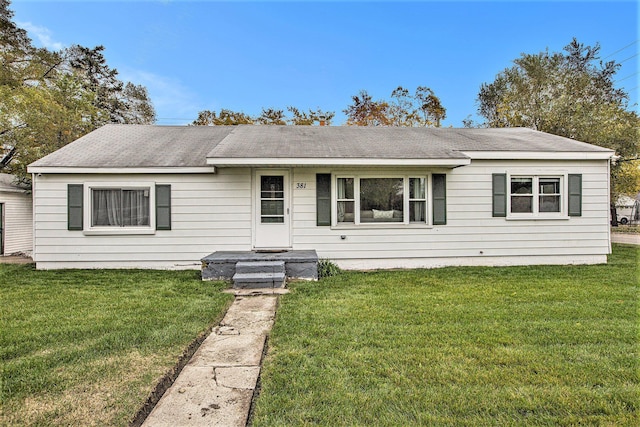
[272, 221]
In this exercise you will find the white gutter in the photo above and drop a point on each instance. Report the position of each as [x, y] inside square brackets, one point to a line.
[537, 155]
[137, 170]
[278, 161]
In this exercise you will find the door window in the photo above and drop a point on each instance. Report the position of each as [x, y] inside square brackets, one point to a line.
[272, 199]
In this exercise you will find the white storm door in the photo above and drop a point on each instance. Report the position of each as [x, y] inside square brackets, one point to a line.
[272, 222]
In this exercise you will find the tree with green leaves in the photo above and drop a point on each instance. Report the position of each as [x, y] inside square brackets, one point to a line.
[116, 101]
[571, 94]
[301, 118]
[430, 106]
[271, 116]
[422, 108]
[268, 116]
[48, 99]
[402, 109]
[366, 112]
[223, 118]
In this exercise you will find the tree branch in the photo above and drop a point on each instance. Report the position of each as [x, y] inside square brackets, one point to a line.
[20, 126]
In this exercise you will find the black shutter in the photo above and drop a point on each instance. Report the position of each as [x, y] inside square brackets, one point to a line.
[323, 199]
[163, 207]
[439, 182]
[499, 185]
[575, 195]
[75, 196]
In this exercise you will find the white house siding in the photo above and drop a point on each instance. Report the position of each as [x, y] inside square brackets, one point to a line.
[213, 212]
[210, 212]
[471, 236]
[18, 222]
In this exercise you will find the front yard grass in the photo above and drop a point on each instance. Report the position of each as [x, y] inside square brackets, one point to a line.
[551, 345]
[83, 348]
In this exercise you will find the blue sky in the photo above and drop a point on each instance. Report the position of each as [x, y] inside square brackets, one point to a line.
[196, 55]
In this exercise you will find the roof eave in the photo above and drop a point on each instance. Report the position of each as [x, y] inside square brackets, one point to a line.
[120, 170]
[13, 190]
[308, 162]
[539, 155]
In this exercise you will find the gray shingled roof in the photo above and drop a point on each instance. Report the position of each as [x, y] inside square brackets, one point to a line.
[8, 184]
[385, 143]
[325, 142]
[137, 146]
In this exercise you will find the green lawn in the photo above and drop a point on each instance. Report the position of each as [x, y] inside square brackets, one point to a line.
[86, 347]
[553, 345]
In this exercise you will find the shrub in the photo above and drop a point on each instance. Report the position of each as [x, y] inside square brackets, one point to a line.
[326, 268]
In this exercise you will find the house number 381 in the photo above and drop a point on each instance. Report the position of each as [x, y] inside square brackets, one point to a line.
[300, 185]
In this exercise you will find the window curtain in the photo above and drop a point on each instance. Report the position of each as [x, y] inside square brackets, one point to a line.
[345, 193]
[120, 208]
[342, 192]
[106, 208]
[418, 212]
[135, 207]
[418, 208]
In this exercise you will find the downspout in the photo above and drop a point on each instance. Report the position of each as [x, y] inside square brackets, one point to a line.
[33, 217]
[609, 222]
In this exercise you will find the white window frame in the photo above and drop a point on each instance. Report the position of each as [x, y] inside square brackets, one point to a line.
[536, 214]
[125, 230]
[405, 203]
[409, 199]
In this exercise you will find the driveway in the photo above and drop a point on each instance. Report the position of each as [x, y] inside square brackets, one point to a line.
[627, 238]
[15, 259]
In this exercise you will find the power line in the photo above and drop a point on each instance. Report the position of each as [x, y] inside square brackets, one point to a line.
[173, 119]
[621, 49]
[625, 60]
[627, 77]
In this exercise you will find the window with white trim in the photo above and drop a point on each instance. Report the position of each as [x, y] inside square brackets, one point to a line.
[418, 199]
[535, 195]
[346, 200]
[381, 200]
[114, 208]
[120, 207]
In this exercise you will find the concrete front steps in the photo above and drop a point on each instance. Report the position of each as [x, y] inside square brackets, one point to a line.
[259, 275]
[232, 265]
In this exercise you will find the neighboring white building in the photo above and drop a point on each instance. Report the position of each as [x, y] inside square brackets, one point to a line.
[16, 217]
[627, 209]
[164, 197]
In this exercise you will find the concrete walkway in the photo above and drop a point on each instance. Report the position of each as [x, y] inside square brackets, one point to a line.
[216, 387]
[627, 238]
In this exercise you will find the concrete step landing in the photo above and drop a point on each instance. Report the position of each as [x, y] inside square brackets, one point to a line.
[259, 274]
[221, 265]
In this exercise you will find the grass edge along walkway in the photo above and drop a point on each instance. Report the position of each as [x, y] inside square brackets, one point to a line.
[540, 345]
[86, 348]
